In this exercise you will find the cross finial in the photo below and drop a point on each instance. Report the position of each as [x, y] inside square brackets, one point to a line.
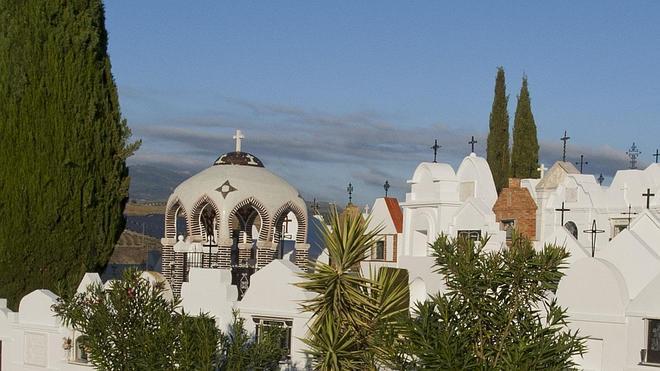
[564, 139]
[633, 153]
[656, 155]
[542, 169]
[593, 232]
[472, 143]
[648, 196]
[386, 186]
[315, 207]
[630, 214]
[562, 212]
[237, 137]
[600, 179]
[581, 163]
[349, 189]
[435, 148]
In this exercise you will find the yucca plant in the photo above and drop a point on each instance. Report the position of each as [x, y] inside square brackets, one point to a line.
[352, 312]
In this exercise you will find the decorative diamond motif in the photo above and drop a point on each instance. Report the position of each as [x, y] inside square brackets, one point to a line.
[226, 189]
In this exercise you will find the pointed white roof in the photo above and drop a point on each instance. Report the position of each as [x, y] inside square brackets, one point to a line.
[556, 175]
[273, 292]
[647, 302]
[88, 280]
[563, 237]
[475, 169]
[593, 288]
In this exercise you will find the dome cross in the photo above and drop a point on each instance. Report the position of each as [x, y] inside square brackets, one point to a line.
[237, 137]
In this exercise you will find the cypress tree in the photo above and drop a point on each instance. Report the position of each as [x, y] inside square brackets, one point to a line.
[63, 146]
[525, 150]
[497, 151]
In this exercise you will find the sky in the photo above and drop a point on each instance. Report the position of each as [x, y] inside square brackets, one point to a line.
[328, 93]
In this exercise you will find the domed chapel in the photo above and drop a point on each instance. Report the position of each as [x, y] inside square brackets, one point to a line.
[235, 215]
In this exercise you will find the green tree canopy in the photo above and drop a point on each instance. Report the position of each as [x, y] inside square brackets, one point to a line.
[64, 180]
[525, 151]
[495, 313]
[497, 146]
[132, 326]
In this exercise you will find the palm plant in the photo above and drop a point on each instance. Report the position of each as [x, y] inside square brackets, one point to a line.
[351, 312]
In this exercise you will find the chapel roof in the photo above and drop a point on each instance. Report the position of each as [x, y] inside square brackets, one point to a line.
[556, 175]
[395, 212]
[238, 158]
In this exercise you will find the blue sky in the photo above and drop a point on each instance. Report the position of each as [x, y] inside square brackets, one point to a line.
[332, 92]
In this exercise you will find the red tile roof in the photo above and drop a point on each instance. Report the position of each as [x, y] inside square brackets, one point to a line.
[395, 212]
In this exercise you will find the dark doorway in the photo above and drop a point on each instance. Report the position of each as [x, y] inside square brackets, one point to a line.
[572, 229]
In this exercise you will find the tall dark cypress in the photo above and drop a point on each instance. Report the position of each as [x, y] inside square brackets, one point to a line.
[525, 150]
[63, 146]
[497, 151]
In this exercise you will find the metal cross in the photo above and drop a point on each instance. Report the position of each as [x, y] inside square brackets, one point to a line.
[286, 223]
[472, 143]
[238, 137]
[656, 155]
[349, 189]
[593, 232]
[564, 139]
[633, 153]
[435, 149]
[630, 214]
[315, 206]
[648, 196]
[542, 169]
[600, 179]
[562, 212]
[386, 186]
[581, 163]
[210, 243]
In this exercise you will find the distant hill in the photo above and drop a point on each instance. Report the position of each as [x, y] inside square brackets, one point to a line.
[155, 183]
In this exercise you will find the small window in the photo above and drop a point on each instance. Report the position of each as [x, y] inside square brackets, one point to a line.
[508, 226]
[379, 250]
[262, 324]
[618, 226]
[652, 352]
[474, 235]
[80, 350]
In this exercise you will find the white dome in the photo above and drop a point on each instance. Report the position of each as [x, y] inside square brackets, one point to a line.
[240, 182]
[228, 185]
[433, 171]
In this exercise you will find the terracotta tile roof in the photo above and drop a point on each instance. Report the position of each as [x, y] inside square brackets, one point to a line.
[395, 212]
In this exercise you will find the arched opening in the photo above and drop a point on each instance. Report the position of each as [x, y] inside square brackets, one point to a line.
[205, 221]
[176, 221]
[208, 220]
[421, 230]
[572, 229]
[204, 230]
[248, 223]
[289, 228]
[80, 354]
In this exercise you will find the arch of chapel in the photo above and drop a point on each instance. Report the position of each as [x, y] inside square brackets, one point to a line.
[172, 211]
[281, 214]
[195, 222]
[261, 211]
